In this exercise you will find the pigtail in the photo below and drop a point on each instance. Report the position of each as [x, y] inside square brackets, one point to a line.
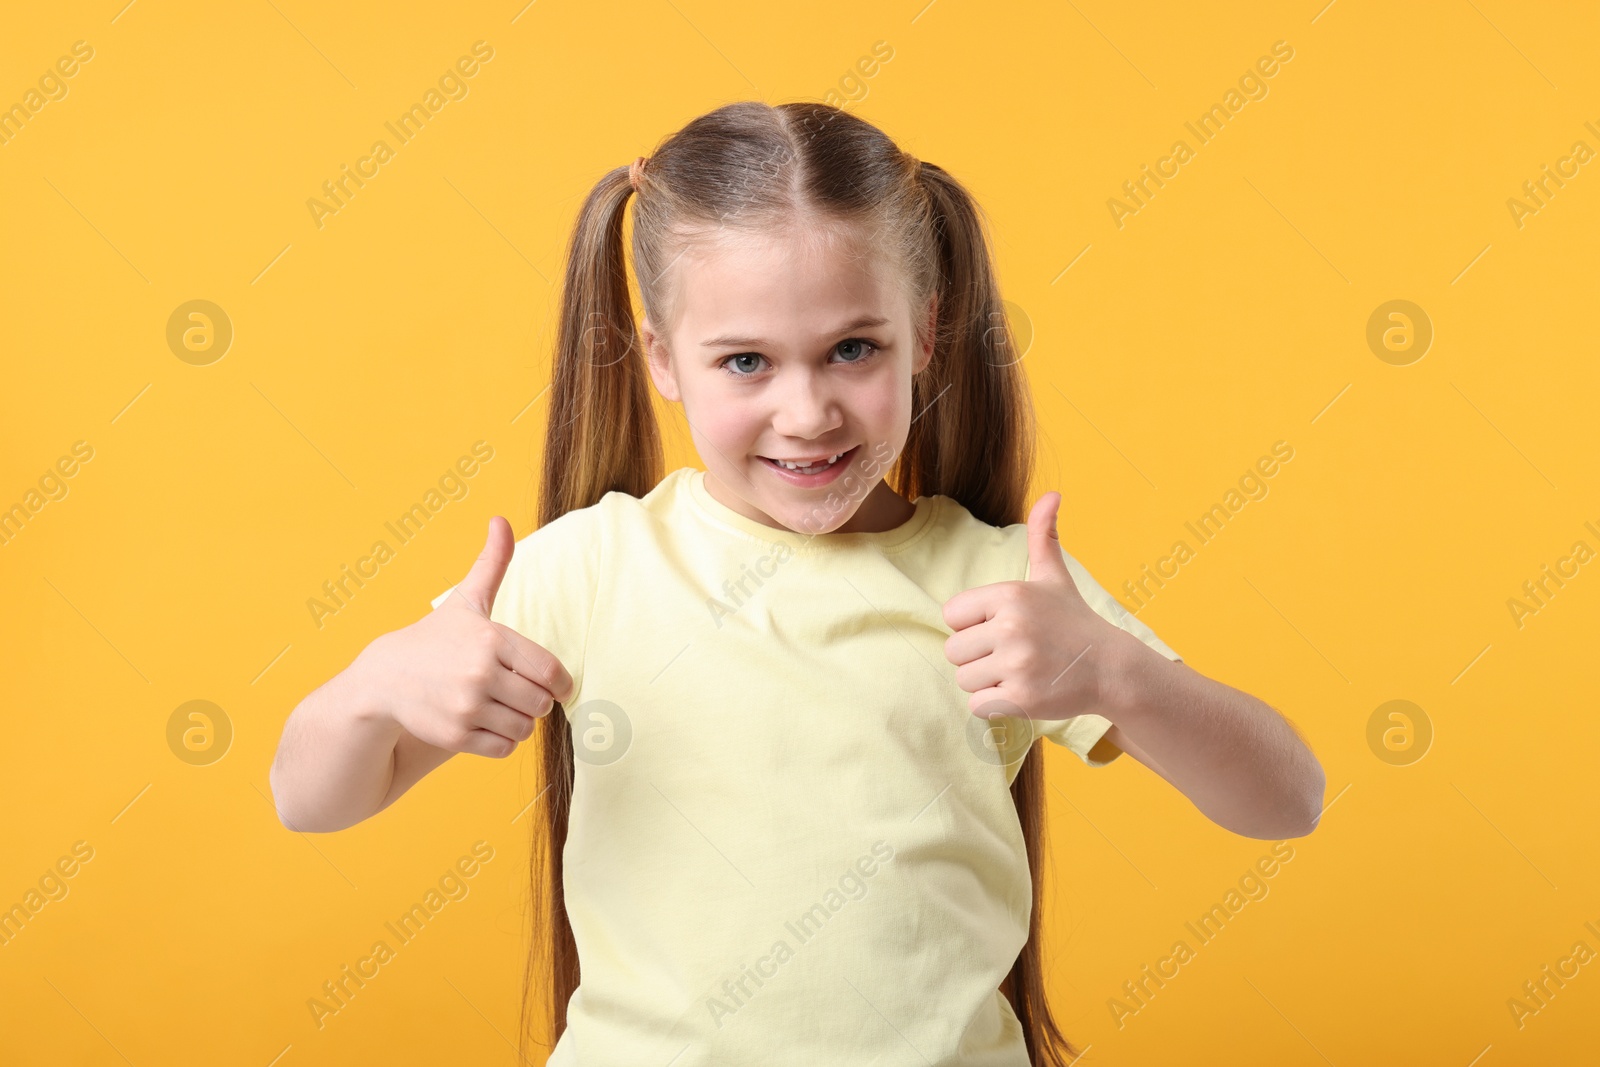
[972, 438]
[1047, 1045]
[601, 436]
[974, 442]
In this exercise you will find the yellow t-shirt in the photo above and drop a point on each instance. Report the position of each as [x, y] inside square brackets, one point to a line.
[789, 841]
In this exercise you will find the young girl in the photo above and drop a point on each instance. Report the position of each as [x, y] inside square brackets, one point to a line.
[790, 809]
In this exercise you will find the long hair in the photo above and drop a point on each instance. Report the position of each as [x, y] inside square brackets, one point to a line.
[751, 167]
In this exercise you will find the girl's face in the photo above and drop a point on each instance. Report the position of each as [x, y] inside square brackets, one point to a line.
[793, 349]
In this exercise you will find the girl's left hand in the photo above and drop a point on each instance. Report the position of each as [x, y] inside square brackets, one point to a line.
[1036, 645]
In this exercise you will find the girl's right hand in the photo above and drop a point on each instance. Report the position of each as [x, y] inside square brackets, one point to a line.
[459, 681]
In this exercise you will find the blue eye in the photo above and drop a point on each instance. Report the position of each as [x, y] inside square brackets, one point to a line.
[742, 355]
[869, 350]
[866, 344]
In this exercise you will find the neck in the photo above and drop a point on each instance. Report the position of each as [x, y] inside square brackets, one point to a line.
[884, 509]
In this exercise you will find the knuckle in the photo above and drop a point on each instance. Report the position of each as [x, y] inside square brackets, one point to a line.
[478, 677]
[486, 646]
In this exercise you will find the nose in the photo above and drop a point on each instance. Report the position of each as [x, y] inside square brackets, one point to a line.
[807, 408]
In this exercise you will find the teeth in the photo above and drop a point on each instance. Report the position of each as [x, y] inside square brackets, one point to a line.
[810, 466]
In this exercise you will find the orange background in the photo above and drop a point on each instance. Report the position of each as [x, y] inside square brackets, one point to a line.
[1166, 354]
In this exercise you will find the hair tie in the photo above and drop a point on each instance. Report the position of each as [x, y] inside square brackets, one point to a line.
[635, 172]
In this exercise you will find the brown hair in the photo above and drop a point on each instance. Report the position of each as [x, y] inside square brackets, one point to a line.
[749, 167]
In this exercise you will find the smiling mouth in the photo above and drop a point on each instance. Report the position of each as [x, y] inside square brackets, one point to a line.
[816, 466]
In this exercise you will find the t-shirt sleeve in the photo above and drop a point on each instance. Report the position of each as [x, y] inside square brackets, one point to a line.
[548, 592]
[1081, 732]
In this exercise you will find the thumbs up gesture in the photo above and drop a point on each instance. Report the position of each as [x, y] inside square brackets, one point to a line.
[1036, 644]
[460, 681]
[479, 588]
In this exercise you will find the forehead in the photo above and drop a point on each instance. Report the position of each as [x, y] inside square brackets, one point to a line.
[790, 286]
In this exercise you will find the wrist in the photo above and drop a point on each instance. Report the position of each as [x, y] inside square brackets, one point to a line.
[1129, 671]
[361, 697]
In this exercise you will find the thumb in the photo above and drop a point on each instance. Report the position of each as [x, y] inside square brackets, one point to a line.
[483, 580]
[1045, 562]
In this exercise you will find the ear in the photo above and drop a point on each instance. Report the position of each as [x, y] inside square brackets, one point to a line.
[659, 363]
[925, 350]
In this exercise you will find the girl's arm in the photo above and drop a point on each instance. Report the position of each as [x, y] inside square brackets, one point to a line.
[453, 681]
[343, 758]
[1038, 645]
[1242, 764]
[338, 759]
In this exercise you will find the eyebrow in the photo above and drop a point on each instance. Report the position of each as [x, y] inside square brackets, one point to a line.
[866, 322]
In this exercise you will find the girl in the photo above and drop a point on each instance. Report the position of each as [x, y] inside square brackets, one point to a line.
[790, 810]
